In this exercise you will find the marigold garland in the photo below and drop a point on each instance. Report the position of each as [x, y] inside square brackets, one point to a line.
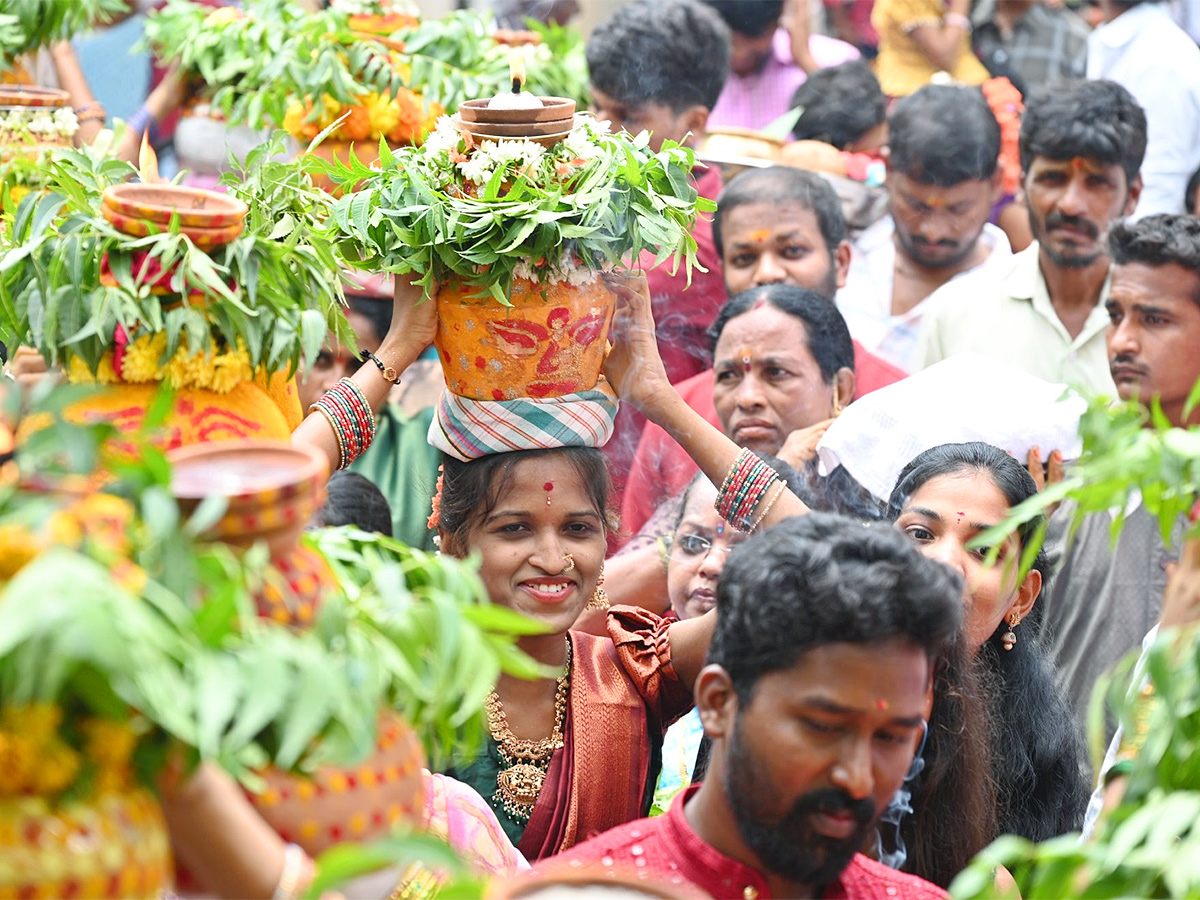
[1007, 106]
[141, 361]
[36, 761]
[401, 120]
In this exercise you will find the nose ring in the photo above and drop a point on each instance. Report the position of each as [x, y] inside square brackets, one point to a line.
[570, 560]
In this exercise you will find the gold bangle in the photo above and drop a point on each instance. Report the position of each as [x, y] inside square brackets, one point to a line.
[337, 433]
[766, 509]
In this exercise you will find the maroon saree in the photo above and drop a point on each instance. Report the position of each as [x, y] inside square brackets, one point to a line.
[624, 694]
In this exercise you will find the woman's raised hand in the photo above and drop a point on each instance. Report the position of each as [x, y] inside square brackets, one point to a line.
[414, 316]
[634, 367]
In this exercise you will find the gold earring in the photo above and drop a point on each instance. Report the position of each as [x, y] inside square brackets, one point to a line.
[599, 597]
[837, 405]
[1009, 638]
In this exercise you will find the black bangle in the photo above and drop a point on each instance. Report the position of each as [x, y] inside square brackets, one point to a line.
[389, 372]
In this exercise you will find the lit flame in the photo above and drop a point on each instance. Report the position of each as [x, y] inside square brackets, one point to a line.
[516, 70]
[148, 162]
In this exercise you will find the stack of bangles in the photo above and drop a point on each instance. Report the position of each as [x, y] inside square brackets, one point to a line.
[747, 483]
[141, 121]
[91, 112]
[350, 417]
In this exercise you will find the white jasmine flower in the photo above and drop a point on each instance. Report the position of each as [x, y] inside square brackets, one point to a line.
[478, 167]
[443, 138]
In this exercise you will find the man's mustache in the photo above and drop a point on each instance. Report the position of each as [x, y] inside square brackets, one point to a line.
[1059, 220]
[834, 801]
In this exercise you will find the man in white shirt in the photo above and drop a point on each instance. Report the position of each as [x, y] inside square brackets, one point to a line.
[1142, 49]
[943, 181]
[1082, 143]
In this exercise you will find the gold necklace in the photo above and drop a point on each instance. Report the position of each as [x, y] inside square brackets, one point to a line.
[525, 762]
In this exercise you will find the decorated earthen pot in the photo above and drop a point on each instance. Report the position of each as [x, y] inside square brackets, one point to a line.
[111, 844]
[550, 342]
[273, 489]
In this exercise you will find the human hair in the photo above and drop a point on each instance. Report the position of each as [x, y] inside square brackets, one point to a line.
[780, 185]
[840, 104]
[944, 134]
[819, 579]
[1157, 241]
[1009, 476]
[1189, 197]
[752, 18]
[673, 52]
[353, 499]
[378, 311]
[1097, 120]
[471, 490]
[828, 337]
[954, 797]
[1036, 756]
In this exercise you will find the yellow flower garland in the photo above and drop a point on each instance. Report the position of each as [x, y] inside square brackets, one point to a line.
[36, 761]
[185, 370]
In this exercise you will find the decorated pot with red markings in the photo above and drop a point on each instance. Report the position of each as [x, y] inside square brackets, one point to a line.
[109, 844]
[550, 342]
[355, 803]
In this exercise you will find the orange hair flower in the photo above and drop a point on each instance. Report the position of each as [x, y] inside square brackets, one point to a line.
[435, 517]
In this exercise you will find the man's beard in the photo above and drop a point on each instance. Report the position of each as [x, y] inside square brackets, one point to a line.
[1077, 260]
[790, 847]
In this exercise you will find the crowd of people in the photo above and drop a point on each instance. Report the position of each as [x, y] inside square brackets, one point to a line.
[821, 690]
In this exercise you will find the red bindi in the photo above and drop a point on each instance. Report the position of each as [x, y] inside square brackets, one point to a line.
[882, 705]
[548, 486]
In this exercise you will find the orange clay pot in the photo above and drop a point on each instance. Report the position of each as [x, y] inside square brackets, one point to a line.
[204, 238]
[113, 845]
[272, 490]
[358, 803]
[247, 411]
[158, 203]
[550, 342]
[30, 95]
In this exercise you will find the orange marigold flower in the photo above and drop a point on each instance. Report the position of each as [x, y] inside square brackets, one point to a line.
[435, 517]
[1006, 105]
[356, 126]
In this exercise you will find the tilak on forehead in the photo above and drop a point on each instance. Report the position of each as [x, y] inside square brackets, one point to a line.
[746, 358]
[760, 235]
[548, 487]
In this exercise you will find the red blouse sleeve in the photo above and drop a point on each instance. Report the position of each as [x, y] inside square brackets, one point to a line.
[644, 652]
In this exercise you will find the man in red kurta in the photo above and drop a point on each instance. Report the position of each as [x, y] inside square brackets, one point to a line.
[771, 225]
[815, 697]
[659, 66]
